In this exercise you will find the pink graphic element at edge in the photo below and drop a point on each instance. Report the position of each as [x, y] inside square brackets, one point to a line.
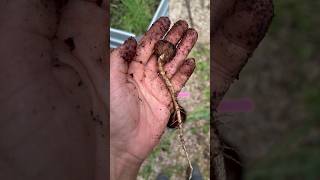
[183, 95]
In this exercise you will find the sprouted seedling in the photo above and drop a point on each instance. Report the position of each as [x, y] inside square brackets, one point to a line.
[165, 50]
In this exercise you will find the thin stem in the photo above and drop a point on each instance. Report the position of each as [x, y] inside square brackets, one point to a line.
[177, 109]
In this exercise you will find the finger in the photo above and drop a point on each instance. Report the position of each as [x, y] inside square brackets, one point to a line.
[145, 47]
[173, 36]
[154, 34]
[184, 47]
[249, 23]
[234, 42]
[221, 9]
[120, 57]
[176, 32]
[183, 74]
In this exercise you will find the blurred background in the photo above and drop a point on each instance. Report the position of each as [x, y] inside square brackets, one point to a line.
[132, 15]
[278, 133]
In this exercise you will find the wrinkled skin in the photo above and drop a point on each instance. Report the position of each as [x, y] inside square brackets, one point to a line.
[137, 87]
[53, 100]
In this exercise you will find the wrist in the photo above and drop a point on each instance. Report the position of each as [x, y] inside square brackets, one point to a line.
[124, 165]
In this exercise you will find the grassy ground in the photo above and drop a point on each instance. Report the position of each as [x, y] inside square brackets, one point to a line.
[280, 139]
[132, 15]
[168, 157]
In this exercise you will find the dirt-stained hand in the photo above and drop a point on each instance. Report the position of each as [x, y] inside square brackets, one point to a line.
[237, 27]
[140, 101]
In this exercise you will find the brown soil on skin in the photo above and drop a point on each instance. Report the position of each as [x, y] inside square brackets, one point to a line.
[197, 140]
[128, 50]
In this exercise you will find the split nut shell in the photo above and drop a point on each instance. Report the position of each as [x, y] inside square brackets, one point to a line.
[163, 47]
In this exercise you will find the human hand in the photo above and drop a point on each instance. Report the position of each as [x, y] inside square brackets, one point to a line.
[140, 103]
[237, 28]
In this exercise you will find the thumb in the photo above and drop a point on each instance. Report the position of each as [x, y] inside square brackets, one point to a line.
[120, 58]
[235, 40]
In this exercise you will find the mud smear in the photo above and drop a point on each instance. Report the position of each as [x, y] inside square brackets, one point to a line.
[188, 67]
[189, 37]
[177, 30]
[128, 50]
[157, 30]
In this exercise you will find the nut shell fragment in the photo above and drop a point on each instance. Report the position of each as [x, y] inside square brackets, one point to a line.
[166, 49]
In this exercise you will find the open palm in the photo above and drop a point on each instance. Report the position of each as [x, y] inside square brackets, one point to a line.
[140, 102]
